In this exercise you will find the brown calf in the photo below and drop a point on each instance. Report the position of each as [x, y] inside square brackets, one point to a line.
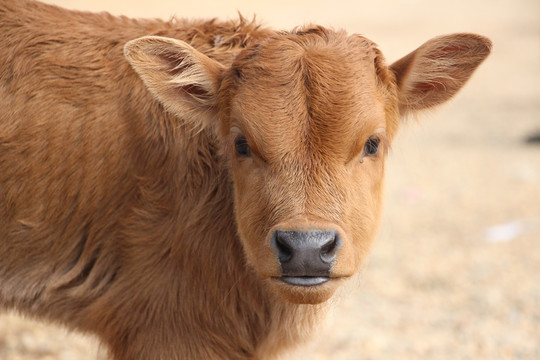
[202, 212]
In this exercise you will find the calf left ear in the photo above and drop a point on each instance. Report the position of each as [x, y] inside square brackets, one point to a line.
[433, 73]
[183, 79]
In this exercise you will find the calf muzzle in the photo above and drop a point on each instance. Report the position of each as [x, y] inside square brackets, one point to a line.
[306, 257]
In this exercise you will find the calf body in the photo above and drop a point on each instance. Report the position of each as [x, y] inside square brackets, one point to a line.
[209, 210]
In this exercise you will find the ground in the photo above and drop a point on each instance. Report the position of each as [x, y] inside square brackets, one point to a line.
[455, 271]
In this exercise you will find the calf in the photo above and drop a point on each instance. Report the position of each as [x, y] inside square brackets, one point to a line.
[195, 189]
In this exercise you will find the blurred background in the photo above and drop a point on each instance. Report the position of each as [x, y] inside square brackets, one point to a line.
[455, 272]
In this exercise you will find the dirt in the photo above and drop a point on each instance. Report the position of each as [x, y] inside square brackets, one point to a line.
[455, 271]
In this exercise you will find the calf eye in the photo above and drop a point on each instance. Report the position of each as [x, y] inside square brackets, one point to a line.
[371, 148]
[241, 146]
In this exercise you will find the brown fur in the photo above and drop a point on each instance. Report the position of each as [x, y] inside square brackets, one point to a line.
[123, 209]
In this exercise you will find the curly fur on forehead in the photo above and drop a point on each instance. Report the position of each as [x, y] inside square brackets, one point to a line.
[303, 39]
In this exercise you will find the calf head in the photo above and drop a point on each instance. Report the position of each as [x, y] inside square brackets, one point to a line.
[305, 121]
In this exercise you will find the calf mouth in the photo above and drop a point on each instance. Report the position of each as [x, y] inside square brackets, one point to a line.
[304, 280]
[305, 289]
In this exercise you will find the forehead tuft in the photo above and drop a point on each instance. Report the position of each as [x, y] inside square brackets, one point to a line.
[283, 52]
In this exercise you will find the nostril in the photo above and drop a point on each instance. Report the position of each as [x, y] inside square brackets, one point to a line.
[328, 250]
[329, 246]
[284, 250]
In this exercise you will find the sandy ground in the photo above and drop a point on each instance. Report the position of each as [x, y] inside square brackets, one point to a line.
[455, 273]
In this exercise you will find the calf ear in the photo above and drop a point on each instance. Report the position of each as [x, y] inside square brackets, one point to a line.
[433, 73]
[183, 79]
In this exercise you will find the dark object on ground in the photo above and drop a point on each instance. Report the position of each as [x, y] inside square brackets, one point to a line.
[533, 138]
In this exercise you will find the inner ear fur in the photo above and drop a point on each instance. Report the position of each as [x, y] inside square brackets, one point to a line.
[183, 79]
[434, 73]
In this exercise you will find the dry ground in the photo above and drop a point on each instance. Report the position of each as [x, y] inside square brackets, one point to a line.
[443, 282]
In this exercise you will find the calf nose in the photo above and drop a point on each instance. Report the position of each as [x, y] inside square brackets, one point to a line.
[306, 253]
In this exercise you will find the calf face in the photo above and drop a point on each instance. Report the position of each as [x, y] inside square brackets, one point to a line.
[305, 120]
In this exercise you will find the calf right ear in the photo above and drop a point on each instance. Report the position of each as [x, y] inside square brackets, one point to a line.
[183, 79]
[433, 73]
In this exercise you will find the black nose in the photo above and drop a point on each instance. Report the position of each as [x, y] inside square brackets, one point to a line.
[306, 253]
